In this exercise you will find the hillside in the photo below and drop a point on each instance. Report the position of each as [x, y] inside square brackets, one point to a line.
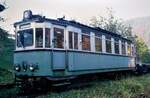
[141, 28]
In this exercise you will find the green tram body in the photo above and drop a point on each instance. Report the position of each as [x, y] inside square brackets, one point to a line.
[55, 62]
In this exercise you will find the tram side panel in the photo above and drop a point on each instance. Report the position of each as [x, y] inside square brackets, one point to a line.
[80, 61]
[58, 60]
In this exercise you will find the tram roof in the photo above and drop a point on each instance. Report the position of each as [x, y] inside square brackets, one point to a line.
[65, 23]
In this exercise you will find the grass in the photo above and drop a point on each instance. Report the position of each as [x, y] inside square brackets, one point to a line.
[123, 88]
[9, 93]
[5, 76]
[126, 87]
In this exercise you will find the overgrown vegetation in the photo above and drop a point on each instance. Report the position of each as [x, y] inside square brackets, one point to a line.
[6, 57]
[6, 50]
[6, 45]
[127, 86]
[122, 88]
[9, 93]
[7, 77]
[142, 50]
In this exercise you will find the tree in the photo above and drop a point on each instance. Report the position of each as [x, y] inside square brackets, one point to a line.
[3, 33]
[112, 24]
[142, 51]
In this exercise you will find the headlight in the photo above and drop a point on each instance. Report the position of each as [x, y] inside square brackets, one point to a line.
[17, 68]
[31, 67]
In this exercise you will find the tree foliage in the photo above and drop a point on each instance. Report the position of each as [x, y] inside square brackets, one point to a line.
[3, 38]
[142, 51]
[112, 24]
[3, 34]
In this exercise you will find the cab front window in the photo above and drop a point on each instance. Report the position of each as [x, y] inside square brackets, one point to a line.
[25, 38]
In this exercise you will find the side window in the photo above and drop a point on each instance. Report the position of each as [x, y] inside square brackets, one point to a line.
[108, 44]
[129, 49]
[47, 37]
[39, 37]
[116, 46]
[86, 42]
[18, 39]
[98, 44]
[70, 40]
[132, 50]
[123, 48]
[75, 40]
[58, 38]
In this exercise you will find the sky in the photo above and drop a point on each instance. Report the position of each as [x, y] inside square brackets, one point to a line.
[80, 10]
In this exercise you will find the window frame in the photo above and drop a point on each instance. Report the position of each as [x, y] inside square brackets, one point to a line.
[49, 37]
[32, 38]
[123, 43]
[129, 50]
[73, 40]
[64, 38]
[132, 50]
[77, 41]
[101, 48]
[43, 40]
[85, 34]
[108, 38]
[70, 32]
[116, 42]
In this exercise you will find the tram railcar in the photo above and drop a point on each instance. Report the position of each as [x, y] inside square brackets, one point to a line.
[59, 48]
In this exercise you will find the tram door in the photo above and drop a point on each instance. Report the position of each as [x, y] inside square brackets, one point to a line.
[58, 54]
